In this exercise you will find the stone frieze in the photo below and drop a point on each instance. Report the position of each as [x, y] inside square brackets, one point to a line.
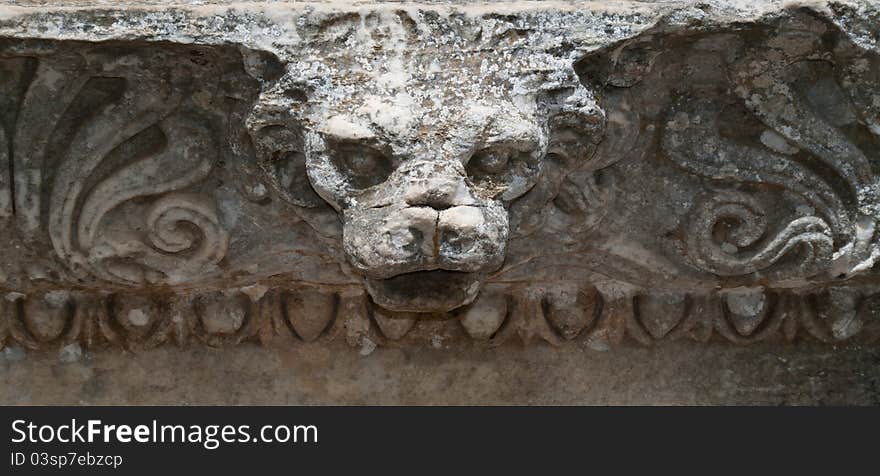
[396, 174]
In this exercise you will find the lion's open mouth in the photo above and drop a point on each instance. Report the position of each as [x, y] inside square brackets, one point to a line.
[425, 291]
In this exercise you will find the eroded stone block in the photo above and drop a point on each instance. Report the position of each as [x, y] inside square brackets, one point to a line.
[401, 175]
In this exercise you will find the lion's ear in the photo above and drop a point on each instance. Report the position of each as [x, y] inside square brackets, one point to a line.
[275, 127]
[287, 172]
[575, 127]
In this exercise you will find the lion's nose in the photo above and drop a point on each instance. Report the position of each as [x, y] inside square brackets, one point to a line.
[459, 230]
[438, 193]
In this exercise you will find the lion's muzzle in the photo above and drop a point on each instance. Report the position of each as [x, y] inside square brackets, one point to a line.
[436, 243]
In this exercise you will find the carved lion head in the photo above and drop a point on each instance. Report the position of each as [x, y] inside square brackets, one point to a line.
[421, 156]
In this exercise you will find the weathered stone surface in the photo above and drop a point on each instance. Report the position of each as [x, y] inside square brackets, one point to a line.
[678, 372]
[390, 174]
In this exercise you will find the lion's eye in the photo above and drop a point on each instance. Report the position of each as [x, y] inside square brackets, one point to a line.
[502, 170]
[489, 162]
[363, 166]
[362, 162]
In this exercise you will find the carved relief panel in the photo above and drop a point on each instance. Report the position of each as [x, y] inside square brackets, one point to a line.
[390, 180]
